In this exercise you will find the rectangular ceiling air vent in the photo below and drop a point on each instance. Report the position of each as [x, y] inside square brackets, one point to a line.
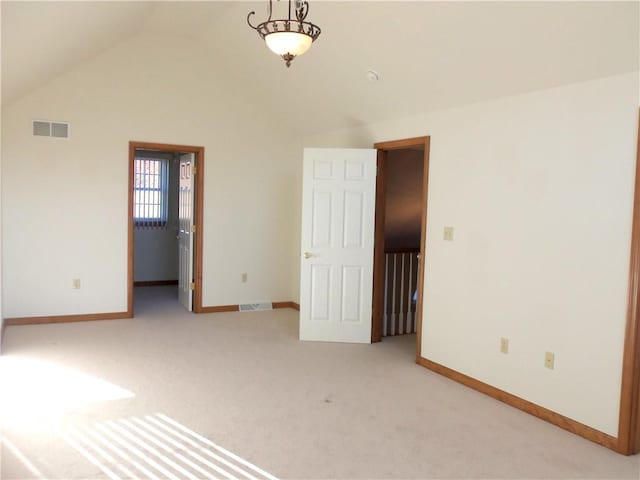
[44, 128]
[254, 307]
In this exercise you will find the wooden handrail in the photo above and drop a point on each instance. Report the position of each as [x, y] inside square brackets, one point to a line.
[402, 250]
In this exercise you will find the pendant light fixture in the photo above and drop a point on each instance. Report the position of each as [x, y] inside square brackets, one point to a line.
[288, 37]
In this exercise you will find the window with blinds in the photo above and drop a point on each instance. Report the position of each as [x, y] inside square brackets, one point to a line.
[151, 192]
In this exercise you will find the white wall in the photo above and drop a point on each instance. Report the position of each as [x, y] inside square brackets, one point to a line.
[65, 201]
[539, 188]
[156, 249]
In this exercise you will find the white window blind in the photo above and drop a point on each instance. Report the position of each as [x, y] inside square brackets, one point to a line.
[151, 192]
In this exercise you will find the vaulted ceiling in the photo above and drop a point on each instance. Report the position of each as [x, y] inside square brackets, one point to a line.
[430, 55]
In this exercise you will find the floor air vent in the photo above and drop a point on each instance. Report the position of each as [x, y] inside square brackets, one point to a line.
[254, 307]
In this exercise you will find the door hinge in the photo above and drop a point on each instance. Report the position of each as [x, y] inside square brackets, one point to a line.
[193, 229]
[192, 286]
[193, 171]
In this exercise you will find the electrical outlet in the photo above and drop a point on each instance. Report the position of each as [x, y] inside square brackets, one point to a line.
[504, 345]
[243, 278]
[549, 360]
[448, 234]
[76, 283]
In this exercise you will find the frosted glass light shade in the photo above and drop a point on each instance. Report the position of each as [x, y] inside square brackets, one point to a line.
[288, 42]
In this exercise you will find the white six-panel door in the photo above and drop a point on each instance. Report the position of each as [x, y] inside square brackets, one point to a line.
[338, 211]
[185, 230]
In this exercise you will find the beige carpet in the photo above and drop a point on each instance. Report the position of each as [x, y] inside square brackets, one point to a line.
[236, 395]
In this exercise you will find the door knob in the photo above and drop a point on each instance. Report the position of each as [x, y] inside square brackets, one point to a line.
[308, 254]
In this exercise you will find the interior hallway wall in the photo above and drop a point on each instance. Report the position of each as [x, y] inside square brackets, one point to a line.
[156, 249]
[66, 200]
[539, 190]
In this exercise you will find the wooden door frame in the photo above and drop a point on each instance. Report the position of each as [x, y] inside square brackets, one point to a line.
[378, 251]
[629, 420]
[198, 216]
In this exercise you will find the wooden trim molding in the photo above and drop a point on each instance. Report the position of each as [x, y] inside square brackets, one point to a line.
[130, 227]
[154, 283]
[199, 221]
[524, 405]
[629, 421]
[379, 249]
[9, 322]
[198, 216]
[66, 318]
[423, 246]
[405, 143]
[293, 305]
[2, 331]
[219, 308]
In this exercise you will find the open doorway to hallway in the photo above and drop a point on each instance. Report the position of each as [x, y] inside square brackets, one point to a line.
[402, 229]
[400, 238]
[165, 200]
[156, 229]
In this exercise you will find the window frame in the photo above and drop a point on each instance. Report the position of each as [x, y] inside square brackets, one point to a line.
[152, 222]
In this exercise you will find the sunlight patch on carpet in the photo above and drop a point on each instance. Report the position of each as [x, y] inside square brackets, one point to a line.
[157, 447]
[21, 457]
[37, 394]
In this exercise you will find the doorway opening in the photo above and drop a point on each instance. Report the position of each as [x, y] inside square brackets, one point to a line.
[164, 223]
[400, 230]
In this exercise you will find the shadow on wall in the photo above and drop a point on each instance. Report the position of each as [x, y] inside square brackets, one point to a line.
[402, 231]
[403, 199]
